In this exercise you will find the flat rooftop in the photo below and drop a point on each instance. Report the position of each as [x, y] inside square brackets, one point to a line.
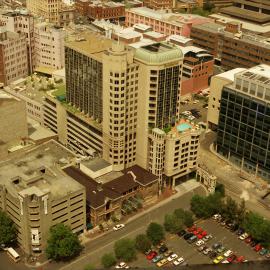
[96, 164]
[260, 73]
[38, 170]
[90, 44]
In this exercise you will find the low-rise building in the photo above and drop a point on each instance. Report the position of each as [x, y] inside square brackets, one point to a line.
[159, 4]
[37, 194]
[110, 194]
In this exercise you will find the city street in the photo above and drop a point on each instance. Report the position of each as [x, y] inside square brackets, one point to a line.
[104, 244]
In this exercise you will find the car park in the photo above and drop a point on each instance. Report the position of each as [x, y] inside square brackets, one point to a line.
[199, 243]
[162, 262]
[243, 236]
[157, 258]
[168, 253]
[151, 255]
[178, 261]
[122, 265]
[172, 257]
[218, 259]
[118, 227]
[228, 253]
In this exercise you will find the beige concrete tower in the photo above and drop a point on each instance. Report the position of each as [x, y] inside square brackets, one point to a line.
[120, 93]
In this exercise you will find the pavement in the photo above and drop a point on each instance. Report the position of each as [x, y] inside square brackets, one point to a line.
[229, 175]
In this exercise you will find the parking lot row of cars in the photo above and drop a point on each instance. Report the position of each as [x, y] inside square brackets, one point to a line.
[243, 236]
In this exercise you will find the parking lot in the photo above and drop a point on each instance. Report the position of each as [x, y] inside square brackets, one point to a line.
[190, 253]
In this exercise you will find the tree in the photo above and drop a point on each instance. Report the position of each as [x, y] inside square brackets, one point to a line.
[62, 243]
[155, 232]
[230, 209]
[172, 223]
[208, 6]
[186, 216]
[220, 188]
[142, 243]
[89, 267]
[241, 212]
[8, 232]
[198, 206]
[125, 249]
[108, 260]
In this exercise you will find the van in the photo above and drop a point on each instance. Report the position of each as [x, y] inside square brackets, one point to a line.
[13, 254]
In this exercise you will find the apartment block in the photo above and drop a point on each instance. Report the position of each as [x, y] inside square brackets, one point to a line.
[49, 47]
[164, 22]
[173, 155]
[13, 57]
[232, 47]
[244, 121]
[160, 4]
[37, 194]
[20, 21]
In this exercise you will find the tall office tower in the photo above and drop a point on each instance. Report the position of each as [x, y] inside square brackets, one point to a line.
[48, 9]
[159, 80]
[120, 104]
[21, 21]
[244, 122]
[13, 57]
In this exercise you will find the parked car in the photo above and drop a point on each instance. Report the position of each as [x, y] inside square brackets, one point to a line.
[163, 249]
[168, 253]
[122, 265]
[162, 262]
[223, 222]
[248, 239]
[240, 259]
[225, 261]
[207, 237]
[160, 244]
[181, 233]
[157, 258]
[240, 231]
[196, 101]
[199, 243]
[201, 248]
[221, 249]
[205, 105]
[192, 239]
[188, 235]
[213, 255]
[148, 251]
[264, 251]
[231, 258]
[118, 227]
[243, 236]
[178, 261]
[228, 253]
[258, 247]
[216, 245]
[253, 243]
[172, 257]
[192, 228]
[218, 259]
[234, 228]
[207, 251]
[151, 255]
[268, 256]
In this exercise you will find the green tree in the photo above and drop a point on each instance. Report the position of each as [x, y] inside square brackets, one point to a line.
[155, 232]
[220, 188]
[198, 206]
[8, 232]
[142, 243]
[230, 209]
[125, 249]
[241, 212]
[62, 243]
[108, 260]
[89, 267]
[208, 6]
[173, 224]
[186, 216]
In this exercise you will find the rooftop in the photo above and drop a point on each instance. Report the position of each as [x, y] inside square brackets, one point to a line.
[229, 75]
[158, 53]
[260, 73]
[6, 98]
[39, 170]
[96, 164]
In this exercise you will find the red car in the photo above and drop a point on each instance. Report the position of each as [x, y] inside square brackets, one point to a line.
[231, 258]
[200, 236]
[240, 259]
[204, 233]
[191, 229]
[151, 255]
[248, 240]
[199, 230]
[258, 247]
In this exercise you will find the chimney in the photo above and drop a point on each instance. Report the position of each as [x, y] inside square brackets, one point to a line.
[99, 186]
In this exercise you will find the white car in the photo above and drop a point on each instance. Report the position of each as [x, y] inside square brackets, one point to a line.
[196, 101]
[118, 227]
[216, 216]
[243, 236]
[228, 253]
[225, 261]
[199, 243]
[186, 113]
[122, 265]
[178, 261]
[191, 117]
[172, 257]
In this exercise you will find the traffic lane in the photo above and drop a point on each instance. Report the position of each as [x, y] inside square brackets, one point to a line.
[229, 240]
[96, 248]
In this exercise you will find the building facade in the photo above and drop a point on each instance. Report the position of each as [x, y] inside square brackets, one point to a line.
[37, 194]
[160, 4]
[244, 121]
[13, 57]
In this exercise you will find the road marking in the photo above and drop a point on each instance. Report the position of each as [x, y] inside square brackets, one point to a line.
[97, 250]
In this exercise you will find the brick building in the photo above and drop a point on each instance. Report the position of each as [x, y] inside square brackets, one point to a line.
[229, 45]
[160, 4]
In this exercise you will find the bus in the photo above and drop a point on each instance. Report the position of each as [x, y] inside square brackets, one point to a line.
[13, 254]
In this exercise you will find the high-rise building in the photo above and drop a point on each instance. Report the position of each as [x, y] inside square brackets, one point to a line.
[243, 132]
[21, 21]
[37, 194]
[13, 57]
